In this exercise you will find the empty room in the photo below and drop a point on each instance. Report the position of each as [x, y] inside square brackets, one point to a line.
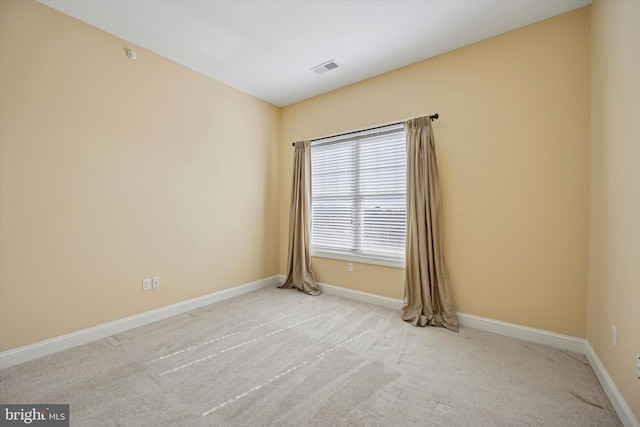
[319, 213]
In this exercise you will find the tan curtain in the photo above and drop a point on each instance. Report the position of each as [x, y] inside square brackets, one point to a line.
[427, 295]
[299, 274]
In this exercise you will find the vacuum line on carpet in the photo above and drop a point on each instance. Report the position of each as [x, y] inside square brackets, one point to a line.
[277, 320]
[211, 356]
[283, 373]
[193, 347]
[175, 353]
[292, 326]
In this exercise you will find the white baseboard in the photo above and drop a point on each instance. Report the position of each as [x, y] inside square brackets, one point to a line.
[619, 404]
[540, 336]
[43, 348]
[30, 352]
[552, 339]
[392, 303]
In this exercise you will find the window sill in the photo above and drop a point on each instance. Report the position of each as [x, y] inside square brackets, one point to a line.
[358, 258]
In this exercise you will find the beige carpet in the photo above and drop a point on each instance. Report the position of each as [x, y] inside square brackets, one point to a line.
[278, 357]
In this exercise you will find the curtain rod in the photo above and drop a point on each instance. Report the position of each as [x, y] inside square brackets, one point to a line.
[432, 117]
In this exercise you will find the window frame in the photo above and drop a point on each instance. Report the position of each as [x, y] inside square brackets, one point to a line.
[358, 255]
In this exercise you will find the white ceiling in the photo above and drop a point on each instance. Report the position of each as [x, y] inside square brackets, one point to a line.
[267, 47]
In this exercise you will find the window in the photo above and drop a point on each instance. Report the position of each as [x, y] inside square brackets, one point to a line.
[358, 196]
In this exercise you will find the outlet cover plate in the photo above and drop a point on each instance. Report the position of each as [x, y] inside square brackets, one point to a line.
[146, 284]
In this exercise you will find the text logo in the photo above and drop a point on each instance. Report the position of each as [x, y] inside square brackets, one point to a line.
[34, 415]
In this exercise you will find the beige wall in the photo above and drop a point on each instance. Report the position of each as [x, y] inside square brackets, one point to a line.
[513, 147]
[114, 170]
[614, 264]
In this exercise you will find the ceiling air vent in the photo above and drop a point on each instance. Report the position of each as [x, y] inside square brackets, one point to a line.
[327, 66]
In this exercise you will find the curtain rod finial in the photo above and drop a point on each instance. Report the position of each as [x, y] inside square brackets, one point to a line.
[435, 116]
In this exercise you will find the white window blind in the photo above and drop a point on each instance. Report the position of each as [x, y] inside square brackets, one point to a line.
[359, 196]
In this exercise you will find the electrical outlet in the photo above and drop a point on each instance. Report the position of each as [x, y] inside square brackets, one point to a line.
[350, 266]
[638, 365]
[146, 284]
[614, 335]
[156, 282]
